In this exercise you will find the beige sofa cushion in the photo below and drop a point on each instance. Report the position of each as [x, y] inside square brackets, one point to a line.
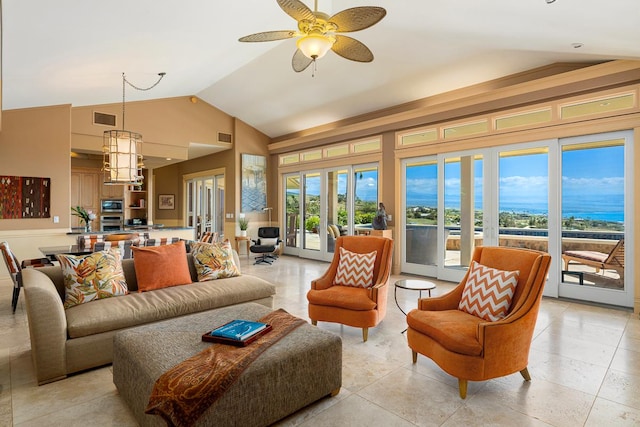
[139, 308]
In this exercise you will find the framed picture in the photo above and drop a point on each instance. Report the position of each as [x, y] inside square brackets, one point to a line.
[254, 182]
[166, 201]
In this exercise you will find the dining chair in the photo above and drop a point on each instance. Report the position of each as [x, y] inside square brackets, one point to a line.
[14, 267]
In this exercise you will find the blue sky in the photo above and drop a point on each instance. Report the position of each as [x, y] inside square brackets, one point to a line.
[366, 186]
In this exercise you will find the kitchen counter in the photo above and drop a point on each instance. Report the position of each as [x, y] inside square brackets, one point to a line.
[140, 228]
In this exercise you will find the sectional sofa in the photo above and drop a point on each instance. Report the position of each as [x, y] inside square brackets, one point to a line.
[64, 341]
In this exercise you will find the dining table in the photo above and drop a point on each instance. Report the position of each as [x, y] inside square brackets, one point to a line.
[51, 251]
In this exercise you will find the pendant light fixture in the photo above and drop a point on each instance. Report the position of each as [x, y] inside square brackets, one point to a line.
[122, 155]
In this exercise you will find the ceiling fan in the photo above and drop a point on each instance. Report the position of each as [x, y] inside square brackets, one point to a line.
[318, 32]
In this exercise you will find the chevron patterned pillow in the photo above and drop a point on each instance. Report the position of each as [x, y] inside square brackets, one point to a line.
[488, 292]
[355, 269]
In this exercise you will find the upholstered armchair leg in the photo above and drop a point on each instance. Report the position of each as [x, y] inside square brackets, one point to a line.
[314, 322]
[462, 385]
[525, 374]
[365, 334]
[414, 356]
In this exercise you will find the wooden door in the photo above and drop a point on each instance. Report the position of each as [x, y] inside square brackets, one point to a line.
[85, 192]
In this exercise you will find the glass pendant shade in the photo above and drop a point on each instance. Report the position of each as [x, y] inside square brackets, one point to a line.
[315, 46]
[122, 158]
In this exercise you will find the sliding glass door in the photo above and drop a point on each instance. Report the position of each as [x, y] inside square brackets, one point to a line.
[570, 197]
[595, 209]
[420, 210]
[338, 206]
[443, 213]
[312, 205]
[462, 213]
[292, 213]
[205, 204]
[322, 205]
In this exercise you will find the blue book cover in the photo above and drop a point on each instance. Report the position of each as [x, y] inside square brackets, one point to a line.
[238, 329]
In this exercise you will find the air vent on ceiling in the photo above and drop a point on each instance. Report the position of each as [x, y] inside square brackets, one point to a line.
[224, 137]
[104, 119]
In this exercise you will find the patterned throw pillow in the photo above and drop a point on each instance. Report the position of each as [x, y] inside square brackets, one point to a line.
[488, 292]
[355, 269]
[90, 277]
[214, 260]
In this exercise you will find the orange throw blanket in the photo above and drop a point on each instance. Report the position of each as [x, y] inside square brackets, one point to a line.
[183, 393]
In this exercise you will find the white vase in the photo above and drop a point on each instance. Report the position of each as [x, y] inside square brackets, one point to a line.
[243, 233]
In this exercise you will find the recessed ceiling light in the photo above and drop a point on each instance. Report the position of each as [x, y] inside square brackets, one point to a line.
[576, 45]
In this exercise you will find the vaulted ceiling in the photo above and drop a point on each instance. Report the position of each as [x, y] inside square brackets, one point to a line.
[74, 52]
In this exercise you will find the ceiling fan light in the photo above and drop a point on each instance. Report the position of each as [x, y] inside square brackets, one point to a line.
[315, 46]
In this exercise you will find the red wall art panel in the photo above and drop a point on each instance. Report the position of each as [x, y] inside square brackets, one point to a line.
[24, 197]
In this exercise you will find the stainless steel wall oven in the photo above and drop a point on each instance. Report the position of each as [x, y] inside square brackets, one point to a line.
[111, 222]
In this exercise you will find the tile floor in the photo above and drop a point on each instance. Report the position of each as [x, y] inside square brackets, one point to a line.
[584, 361]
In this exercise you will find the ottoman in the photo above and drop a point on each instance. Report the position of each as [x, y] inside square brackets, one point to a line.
[301, 368]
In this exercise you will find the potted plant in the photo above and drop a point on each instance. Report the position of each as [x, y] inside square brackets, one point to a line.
[86, 216]
[243, 223]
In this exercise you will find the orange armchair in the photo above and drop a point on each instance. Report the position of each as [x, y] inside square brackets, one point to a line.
[354, 306]
[469, 347]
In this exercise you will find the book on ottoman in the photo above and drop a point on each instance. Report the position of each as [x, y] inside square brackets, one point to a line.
[237, 332]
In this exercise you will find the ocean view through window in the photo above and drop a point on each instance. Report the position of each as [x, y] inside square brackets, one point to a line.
[554, 196]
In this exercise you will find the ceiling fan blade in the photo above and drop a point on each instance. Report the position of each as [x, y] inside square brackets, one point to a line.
[300, 62]
[296, 9]
[352, 49]
[268, 36]
[357, 18]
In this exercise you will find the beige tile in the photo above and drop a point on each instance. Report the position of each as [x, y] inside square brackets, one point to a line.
[627, 361]
[565, 344]
[539, 399]
[631, 337]
[482, 412]
[612, 414]
[359, 368]
[5, 388]
[31, 402]
[6, 417]
[354, 411]
[586, 332]
[629, 342]
[22, 371]
[312, 410]
[414, 397]
[621, 387]
[108, 409]
[16, 336]
[596, 315]
[565, 371]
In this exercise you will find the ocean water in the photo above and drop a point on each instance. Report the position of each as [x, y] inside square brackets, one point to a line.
[595, 207]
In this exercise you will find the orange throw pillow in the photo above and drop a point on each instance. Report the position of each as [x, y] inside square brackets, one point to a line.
[159, 267]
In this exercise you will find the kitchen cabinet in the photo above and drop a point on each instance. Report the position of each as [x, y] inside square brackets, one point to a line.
[112, 192]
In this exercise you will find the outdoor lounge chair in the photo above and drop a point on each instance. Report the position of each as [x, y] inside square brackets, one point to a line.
[614, 260]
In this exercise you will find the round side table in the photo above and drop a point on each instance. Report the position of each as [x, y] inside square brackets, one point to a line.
[412, 285]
